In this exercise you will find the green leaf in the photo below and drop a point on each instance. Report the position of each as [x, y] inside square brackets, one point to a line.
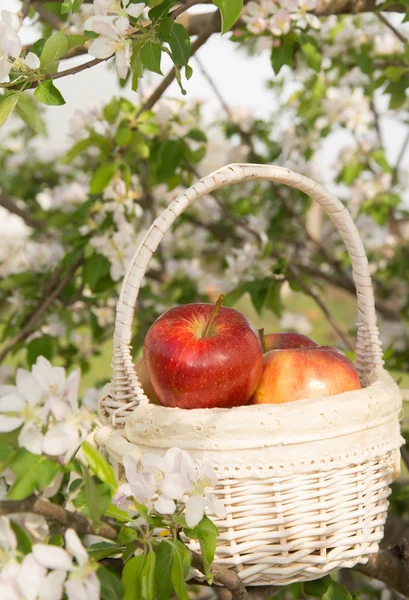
[76, 40]
[131, 577]
[102, 177]
[123, 136]
[179, 43]
[161, 10]
[115, 513]
[7, 453]
[197, 134]
[178, 76]
[41, 346]
[54, 49]
[180, 569]
[100, 466]
[23, 539]
[136, 64]
[111, 585]
[7, 105]
[350, 172]
[27, 110]
[317, 588]
[188, 72]
[163, 570]
[273, 300]
[76, 5]
[312, 54]
[38, 46]
[230, 11]
[170, 155]
[148, 577]
[66, 7]
[99, 141]
[94, 501]
[283, 55]
[47, 93]
[207, 533]
[258, 290]
[34, 472]
[150, 56]
[336, 591]
[380, 158]
[103, 549]
[96, 268]
[165, 28]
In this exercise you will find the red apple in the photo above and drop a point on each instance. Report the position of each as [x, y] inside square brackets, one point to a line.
[296, 374]
[143, 376]
[203, 356]
[279, 341]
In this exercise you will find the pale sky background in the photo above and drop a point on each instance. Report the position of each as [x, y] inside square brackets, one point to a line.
[241, 79]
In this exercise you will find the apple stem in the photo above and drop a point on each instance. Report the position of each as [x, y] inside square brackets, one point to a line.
[263, 343]
[216, 307]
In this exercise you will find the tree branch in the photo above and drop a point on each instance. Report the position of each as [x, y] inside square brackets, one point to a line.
[50, 18]
[394, 30]
[322, 306]
[51, 293]
[401, 154]
[212, 25]
[24, 10]
[389, 566]
[11, 206]
[55, 512]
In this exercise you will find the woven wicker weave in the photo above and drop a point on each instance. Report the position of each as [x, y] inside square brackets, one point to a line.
[306, 485]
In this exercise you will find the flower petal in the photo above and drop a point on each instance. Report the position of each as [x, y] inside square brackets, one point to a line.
[8, 539]
[52, 586]
[131, 470]
[47, 375]
[194, 512]
[31, 438]
[135, 10]
[71, 389]
[206, 471]
[52, 557]
[174, 486]
[122, 64]
[11, 403]
[165, 505]
[28, 387]
[122, 25]
[152, 462]
[60, 439]
[216, 505]
[141, 489]
[31, 577]
[101, 48]
[32, 61]
[101, 6]
[10, 19]
[104, 25]
[9, 423]
[74, 547]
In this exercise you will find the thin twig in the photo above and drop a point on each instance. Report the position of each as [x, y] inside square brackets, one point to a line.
[396, 31]
[11, 206]
[377, 122]
[24, 10]
[322, 306]
[42, 306]
[50, 18]
[55, 512]
[165, 83]
[228, 578]
[401, 154]
[214, 87]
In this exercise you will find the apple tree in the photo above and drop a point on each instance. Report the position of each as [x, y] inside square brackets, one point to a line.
[338, 84]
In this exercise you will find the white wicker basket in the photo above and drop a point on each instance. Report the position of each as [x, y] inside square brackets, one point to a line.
[305, 484]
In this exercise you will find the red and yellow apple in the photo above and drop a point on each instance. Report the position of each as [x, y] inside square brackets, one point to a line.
[203, 356]
[301, 373]
[280, 341]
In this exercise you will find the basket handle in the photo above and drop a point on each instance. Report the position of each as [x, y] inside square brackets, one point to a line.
[126, 390]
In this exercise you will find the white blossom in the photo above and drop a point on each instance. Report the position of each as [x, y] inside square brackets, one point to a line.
[349, 107]
[10, 42]
[164, 482]
[118, 248]
[112, 40]
[44, 404]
